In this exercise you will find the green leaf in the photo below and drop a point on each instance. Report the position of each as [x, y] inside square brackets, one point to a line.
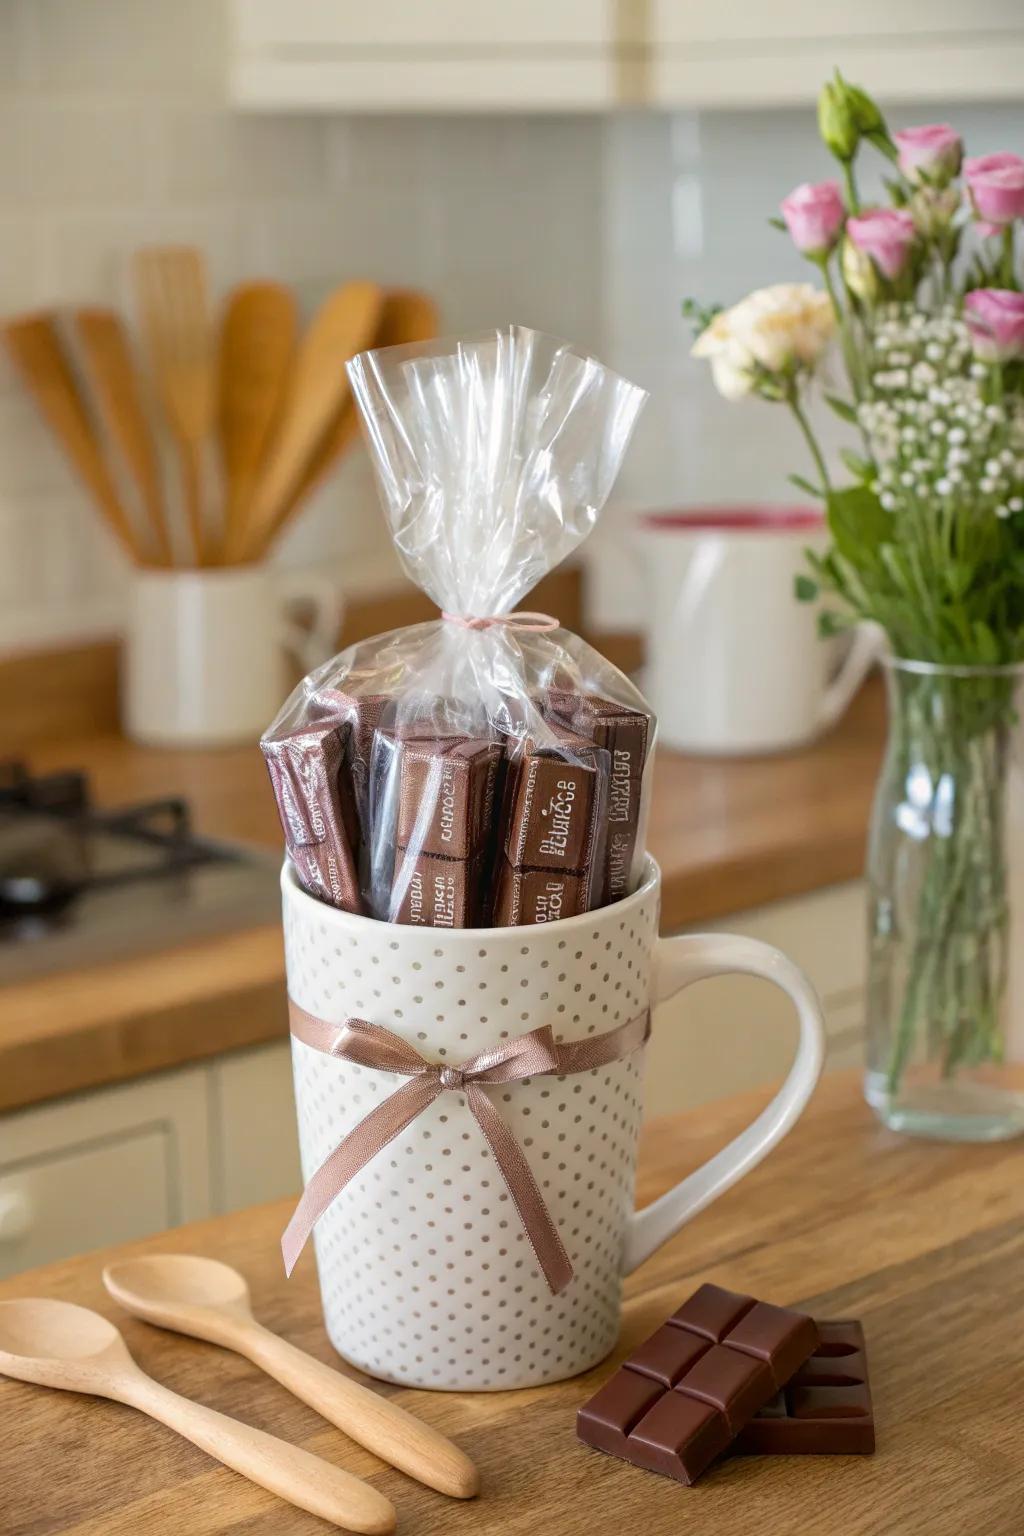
[843, 408]
[859, 526]
[863, 469]
[778, 224]
[897, 192]
[805, 589]
[806, 486]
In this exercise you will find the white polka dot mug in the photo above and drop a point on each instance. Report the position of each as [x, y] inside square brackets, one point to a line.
[428, 1275]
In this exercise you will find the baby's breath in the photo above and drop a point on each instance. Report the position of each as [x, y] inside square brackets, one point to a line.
[930, 430]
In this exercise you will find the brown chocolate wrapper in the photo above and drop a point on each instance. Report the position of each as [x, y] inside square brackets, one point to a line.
[445, 799]
[552, 809]
[524, 897]
[307, 773]
[433, 892]
[624, 734]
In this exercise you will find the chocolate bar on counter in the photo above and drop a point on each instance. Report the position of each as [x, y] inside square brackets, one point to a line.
[551, 821]
[314, 801]
[623, 732]
[433, 802]
[680, 1399]
[825, 1408]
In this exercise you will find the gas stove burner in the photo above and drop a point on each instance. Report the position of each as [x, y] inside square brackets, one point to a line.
[43, 866]
[79, 884]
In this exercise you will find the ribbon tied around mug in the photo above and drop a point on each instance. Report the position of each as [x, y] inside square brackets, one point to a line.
[534, 1054]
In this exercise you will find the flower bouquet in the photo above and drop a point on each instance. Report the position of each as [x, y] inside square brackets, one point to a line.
[921, 299]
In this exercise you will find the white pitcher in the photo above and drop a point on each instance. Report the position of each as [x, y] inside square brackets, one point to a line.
[735, 663]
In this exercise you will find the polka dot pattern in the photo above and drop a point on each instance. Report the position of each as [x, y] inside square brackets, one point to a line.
[426, 1275]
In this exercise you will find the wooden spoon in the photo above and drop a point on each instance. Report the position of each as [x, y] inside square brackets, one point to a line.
[171, 282]
[257, 341]
[406, 316]
[57, 1344]
[115, 384]
[209, 1300]
[37, 354]
[342, 326]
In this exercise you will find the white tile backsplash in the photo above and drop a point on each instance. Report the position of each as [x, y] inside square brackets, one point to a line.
[115, 134]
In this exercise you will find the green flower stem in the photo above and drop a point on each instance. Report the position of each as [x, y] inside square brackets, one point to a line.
[846, 341]
[793, 401]
[955, 937]
[850, 186]
[1007, 260]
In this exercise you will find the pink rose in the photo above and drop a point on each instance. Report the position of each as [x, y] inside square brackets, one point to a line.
[996, 185]
[930, 153]
[886, 235]
[814, 216]
[995, 319]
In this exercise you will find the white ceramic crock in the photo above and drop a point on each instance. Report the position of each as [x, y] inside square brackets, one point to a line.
[206, 658]
[735, 664]
[426, 1275]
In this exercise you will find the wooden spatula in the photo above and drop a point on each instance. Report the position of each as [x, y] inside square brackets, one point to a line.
[257, 342]
[171, 282]
[115, 385]
[341, 327]
[406, 316]
[36, 351]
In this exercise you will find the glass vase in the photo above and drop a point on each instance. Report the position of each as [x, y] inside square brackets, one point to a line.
[944, 864]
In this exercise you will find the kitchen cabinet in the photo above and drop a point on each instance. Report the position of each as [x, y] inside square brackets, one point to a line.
[596, 55]
[103, 1167]
[706, 53]
[450, 55]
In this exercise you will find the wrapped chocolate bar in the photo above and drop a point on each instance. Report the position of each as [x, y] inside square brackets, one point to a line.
[490, 767]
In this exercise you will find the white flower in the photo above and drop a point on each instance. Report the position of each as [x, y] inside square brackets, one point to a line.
[774, 327]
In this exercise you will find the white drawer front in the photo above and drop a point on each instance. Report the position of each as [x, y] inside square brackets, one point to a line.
[103, 1168]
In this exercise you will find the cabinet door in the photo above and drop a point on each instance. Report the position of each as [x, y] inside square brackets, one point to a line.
[255, 1143]
[735, 1032]
[704, 53]
[103, 1168]
[402, 55]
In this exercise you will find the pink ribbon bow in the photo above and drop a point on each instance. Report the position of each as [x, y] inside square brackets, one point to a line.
[529, 1055]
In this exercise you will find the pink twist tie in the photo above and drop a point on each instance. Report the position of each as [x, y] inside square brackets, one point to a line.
[529, 623]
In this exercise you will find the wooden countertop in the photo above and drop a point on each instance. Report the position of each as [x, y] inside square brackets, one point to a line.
[728, 833]
[922, 1241]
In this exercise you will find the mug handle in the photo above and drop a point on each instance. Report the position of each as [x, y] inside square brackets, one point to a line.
[313, 646]
[868, 640]
[679, 962]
